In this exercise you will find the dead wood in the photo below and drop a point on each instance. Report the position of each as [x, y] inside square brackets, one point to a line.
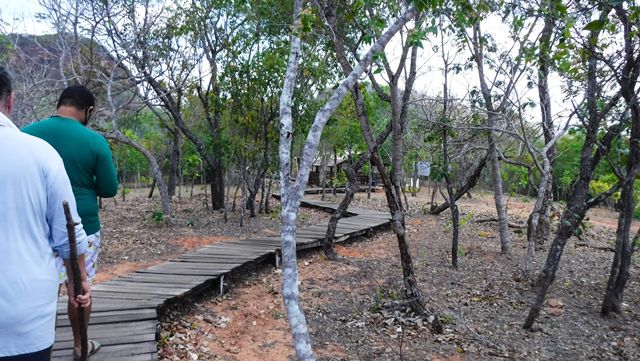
[494, 219]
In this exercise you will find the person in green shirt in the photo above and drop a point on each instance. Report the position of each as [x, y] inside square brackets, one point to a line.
[89, 164]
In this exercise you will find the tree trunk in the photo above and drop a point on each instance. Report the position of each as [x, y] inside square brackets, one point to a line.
[322, 176]
[251, 204]
[203, 182]
[619, 274]
[217, 185]
[226, 200]
[498, 196]
[267, 207]
[571, 219]
[153, 187]
[492, 113]
[291, 195]
[578, 204]
[533, 223]
[369, 180]
[350, 190]
[243, 201]
[235, 197]
[262, 195]
[155, 169]
[455, 214]
[174, 160]
[542, 226]
[544, 220]
[290, 279]
[412, 291]
[124, 186]
[471, 182]
[433, 202]
[414, 179]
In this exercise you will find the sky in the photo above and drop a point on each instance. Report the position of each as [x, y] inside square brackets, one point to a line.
[19, 16]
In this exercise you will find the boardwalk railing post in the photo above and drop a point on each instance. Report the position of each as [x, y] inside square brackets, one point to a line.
[221, 286]
[277, 253]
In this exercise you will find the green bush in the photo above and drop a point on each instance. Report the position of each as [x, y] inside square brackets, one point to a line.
[339, 180]
[157, 216]
[411, 189]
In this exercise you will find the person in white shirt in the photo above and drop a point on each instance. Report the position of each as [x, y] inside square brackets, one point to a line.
[33, 186]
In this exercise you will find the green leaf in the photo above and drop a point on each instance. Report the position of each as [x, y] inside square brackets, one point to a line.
[379, 23]
[595, 25]
[423, 5]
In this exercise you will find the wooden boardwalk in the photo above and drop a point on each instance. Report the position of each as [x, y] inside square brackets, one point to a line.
[124, 316]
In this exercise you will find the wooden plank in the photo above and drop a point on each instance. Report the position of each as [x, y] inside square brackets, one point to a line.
[186, 272]
[236, 251]
[101, 331]
[202, 265]
[181, 266]
[158, 299]
[228, 246]
[264, 246]
[125, 334]
[116, 352]
[229, 255]
[168, 266]
[240, 245]
[234, 260]
[159, 278]
[138, 357]
[107, 304]
[113, 317]
[169, 292]
[112, 339]
[143, 284]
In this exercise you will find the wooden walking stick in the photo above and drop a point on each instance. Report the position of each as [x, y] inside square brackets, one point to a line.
[77, 279]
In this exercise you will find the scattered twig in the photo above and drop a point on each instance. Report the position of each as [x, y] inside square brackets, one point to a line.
[584, 244]
[460, 319]
[382, 335]
[512, 225]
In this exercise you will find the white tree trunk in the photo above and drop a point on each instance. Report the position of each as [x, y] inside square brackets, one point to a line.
[291, 195]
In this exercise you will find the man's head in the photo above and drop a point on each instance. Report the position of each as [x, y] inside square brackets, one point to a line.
[76, 102]
[6, 92]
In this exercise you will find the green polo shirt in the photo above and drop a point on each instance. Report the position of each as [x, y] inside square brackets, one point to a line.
[87, 160]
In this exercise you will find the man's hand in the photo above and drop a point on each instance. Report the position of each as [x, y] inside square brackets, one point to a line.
[79, 300]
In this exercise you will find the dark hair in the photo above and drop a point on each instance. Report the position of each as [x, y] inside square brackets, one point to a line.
[5, 83]
[77, 96]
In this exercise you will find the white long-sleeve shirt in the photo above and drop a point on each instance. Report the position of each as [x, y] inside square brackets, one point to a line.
[33, 185]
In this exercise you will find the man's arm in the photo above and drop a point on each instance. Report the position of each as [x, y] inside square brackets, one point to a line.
[85, 299]
[59, 190]
[106, 176]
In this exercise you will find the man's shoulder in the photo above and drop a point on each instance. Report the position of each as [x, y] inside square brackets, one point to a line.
[38, 145]
[36, 126]
[95, 138]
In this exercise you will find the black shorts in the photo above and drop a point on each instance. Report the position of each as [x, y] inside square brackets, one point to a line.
[44, 355]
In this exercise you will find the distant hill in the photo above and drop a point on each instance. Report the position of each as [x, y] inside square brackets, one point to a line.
[43, 65]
